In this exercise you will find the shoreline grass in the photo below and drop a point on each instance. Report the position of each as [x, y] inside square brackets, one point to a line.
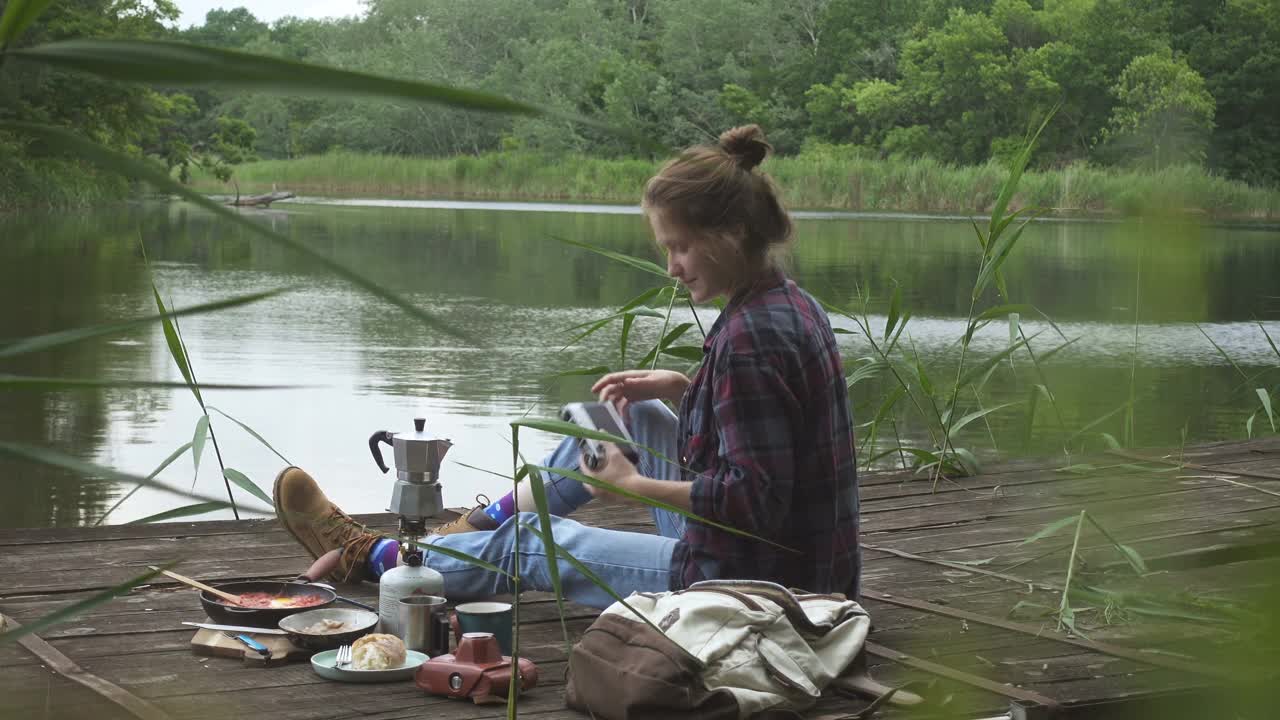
[828, 181]
[56, 184]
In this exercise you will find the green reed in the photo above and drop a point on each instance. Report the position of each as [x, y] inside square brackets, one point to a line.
[842, 181]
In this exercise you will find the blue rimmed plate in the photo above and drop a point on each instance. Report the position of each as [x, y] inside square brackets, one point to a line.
[323, 664]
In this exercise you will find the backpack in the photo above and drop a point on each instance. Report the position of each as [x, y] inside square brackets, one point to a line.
[727, 649]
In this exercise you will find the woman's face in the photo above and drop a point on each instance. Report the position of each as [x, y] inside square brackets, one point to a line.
[688, 260]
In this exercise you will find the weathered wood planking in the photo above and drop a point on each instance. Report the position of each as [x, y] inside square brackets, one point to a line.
[1198, 532]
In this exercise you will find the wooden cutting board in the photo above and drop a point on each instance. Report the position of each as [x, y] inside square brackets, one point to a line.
[216, 644]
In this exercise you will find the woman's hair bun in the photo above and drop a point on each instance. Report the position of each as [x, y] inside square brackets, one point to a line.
[746, 145]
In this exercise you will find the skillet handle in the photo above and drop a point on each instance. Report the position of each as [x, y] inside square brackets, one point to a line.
[323, 565]
[349, 601]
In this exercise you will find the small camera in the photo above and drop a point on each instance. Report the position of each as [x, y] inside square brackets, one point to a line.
[476, 670]
[602, 417]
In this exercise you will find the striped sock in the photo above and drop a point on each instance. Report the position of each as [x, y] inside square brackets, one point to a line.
[503, 509]
[384, 556]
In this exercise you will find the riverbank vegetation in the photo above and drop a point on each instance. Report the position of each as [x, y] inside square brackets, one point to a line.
[825, 177]
[912, 105]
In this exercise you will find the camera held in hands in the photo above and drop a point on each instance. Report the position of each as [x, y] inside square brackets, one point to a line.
[602, 417]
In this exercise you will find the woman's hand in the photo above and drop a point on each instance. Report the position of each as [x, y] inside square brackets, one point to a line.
[628, 386]
[614, 469]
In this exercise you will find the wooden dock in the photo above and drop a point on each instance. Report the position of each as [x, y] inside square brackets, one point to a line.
[943, 570]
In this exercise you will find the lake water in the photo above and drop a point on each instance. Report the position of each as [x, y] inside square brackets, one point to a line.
[497, 272]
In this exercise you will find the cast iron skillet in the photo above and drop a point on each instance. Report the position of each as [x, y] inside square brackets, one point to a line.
[225, 614]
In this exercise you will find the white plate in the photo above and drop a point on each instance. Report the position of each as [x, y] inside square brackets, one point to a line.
[322, 663]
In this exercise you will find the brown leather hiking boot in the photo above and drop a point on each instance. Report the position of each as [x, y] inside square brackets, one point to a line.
[469, 521]
[320, 526]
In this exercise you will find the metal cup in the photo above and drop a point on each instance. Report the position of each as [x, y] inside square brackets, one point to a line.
[417, 624]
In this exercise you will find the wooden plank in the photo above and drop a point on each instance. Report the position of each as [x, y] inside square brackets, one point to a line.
[1012, 530]
[38, 692]
[1169, 516]
[56, 661]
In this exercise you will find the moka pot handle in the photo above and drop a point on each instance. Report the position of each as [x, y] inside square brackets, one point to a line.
[383, 436]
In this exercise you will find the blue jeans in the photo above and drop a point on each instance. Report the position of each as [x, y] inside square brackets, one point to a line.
[627, 561]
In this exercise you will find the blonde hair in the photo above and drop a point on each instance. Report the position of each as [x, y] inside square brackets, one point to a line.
[715, 191]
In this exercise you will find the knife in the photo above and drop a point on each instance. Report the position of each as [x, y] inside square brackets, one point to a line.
[237, 628]
[252, 644]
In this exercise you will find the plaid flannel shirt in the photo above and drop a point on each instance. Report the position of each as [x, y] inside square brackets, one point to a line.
[767, 436]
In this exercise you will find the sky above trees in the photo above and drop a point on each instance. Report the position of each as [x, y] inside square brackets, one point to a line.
[193, 11]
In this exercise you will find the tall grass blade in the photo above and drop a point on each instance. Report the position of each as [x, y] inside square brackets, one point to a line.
[595, 579]
[646, 265]
[176, 349]
[518, 471]
[652, 360]
[174, 64]
[549, 543]
[81, 607]
[968, 461]
[1015, 173]
[1130, 555]
[994, 313]
[959, 424]
[1003, 246]
[595, 327]
[578, 372]
[623, 313]
[18, 14]
[692, 353]
[249, 430]
[862, 370]
[247, 485]
[181, 512]
[1045, 357]
[562, 427]
[66, 337]
[46, 456]
[159, 468]
[980, 369]
[197, 444]
[427, 547]
[1266, 405]
[24, 382]
[588, 480]
[895, 311]
[1033, 403]
[1066, 615]
[1049, 529]
[1223, 353]
[662, 346]
[139, 170]
[1270, 342]
[925, 458]
[623, 338]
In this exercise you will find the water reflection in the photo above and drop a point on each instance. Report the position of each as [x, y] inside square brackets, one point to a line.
[500, 276]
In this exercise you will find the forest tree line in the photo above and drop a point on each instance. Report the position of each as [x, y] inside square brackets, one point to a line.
[1136, 83]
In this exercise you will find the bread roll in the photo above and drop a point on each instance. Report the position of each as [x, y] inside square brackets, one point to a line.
[378, 651]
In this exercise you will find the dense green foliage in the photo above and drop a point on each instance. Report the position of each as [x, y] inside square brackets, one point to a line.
[171, 128]
[1143, 85]
[820, 178]
[1148, 83]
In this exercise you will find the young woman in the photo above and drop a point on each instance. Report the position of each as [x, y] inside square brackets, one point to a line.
[763, 431]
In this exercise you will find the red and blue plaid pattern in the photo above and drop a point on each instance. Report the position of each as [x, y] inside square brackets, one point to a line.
[766, 429]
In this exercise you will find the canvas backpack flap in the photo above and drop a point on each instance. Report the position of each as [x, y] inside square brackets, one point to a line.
[730, 649]
[623, 669]
[811, 640]
[837, 648]
[708, 625]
